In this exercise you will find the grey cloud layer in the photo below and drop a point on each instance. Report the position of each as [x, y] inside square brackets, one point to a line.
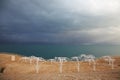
[59, 21]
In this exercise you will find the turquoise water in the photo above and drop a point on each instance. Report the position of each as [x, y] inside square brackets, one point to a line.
[50, 51]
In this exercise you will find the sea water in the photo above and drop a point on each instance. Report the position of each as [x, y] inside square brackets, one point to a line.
[50, 51]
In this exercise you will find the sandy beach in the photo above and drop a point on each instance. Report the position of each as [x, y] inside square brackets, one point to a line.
[21, 70]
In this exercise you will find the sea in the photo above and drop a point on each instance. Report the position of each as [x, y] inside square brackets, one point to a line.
[51, 51]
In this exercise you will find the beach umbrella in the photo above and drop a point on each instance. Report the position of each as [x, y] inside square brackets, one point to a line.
[110, 60]
[78, 64]
[61, 60]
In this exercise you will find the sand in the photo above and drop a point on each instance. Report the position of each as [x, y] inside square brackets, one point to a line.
[21, 70]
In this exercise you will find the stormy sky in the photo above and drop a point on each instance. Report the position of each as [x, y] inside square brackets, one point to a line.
[60, 21]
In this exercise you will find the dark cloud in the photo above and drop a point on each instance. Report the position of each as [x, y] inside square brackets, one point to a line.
[3, 3]
[54, 21]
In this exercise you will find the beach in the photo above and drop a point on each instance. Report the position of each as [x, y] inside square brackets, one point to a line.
[24, 70]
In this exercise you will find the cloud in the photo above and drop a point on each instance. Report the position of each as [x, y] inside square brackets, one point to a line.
[93, 7]
[109, 35]
[61, 21]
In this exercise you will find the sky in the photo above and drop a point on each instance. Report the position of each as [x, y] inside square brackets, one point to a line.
[60, 21]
